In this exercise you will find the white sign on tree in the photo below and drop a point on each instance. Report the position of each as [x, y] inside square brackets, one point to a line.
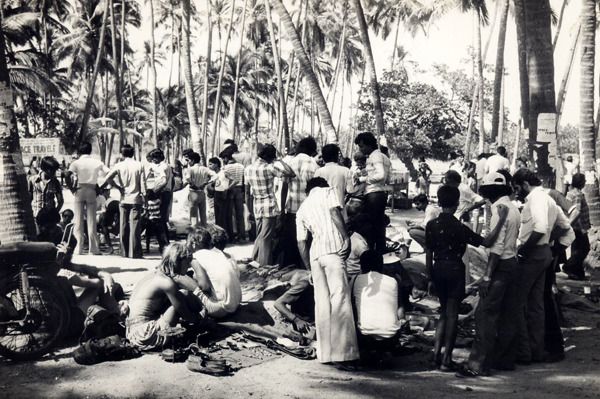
[546, 133]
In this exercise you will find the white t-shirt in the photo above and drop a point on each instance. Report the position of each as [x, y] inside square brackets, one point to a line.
[223, 275]
[376, 299]
[495, 163]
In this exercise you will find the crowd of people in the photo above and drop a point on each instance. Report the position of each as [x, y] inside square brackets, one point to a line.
[326, 217]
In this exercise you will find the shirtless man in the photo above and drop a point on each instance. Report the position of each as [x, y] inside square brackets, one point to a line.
[157, 303]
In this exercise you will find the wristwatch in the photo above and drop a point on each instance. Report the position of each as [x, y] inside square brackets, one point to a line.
[486, 279]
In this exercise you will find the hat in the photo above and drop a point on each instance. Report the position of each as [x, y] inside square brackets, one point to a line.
[494, 179]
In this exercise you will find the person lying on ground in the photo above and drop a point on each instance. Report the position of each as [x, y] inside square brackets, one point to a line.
[157, 303]
[446, 240]
[297, 304]
[432, 211]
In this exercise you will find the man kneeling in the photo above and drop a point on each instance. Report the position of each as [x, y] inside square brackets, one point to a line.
[376, 299]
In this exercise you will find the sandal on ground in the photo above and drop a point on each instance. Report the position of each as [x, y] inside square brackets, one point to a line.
[448, 368]
[214, 367]
[466, 372]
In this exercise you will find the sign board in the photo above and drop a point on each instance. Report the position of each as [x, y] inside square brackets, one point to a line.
[546, 133]
[41, 147]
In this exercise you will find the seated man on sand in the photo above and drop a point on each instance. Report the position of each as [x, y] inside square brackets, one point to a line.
[216, 279]
[432, 211]
[157, 303]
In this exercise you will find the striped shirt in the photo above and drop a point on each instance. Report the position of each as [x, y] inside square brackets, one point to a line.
[577, 198]
[153, 208]
[235, 173]
[314, 216]
[44, 194]
[304, 166]
[260, 177]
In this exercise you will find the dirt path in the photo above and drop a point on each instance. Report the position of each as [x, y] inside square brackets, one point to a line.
[58, 376]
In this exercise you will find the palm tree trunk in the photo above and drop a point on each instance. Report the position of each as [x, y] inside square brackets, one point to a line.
[16, 211]
[480, 84]
[122, 139]
[522, 50]
[282, 127]
[339, 125]
[500, 140]
[395, 44]
[113, 27]
[153, 75]
[540, 70]
[376, 98]
[206, 71]
[197, 143]
[296, 86]
[307, 70]
[238, 67]
[338, 61]
[499, 70]
[559, 24]
[90, 94]
[216, 117]
[586, 123]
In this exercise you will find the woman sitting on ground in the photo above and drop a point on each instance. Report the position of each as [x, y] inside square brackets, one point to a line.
[157, 303]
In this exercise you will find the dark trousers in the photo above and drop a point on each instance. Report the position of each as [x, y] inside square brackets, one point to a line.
[531, 315]
[495, 340]
[250, 205]
[235, 197]
[287, 246]
[375, 207]
[580, 248]
[222, 211]
[166, 197]
[553, 338]
[265, 240]
[130, 230]
[156, 228]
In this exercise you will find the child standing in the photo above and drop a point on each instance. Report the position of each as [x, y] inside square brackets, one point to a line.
[44, 187]
[446, 240]
[154, 226]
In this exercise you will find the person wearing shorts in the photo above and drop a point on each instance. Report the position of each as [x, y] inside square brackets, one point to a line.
[446, 240]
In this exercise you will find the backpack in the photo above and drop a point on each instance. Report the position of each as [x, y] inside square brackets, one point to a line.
[112, 348]
[100, 323]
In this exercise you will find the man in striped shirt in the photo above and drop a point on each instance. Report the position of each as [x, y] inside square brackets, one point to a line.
[304, 166]
[321, 215]
[259, 178]
[234, 171]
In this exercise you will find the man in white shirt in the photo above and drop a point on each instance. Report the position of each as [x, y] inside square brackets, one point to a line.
[163, 184]
[337, 176]
[570, 170]
[376, 176]
[376, 298]
[129, 177]
[197, 177]
[320, 214]
[468, 200]
[498, 161]
[225, 295]
[496, 329]
[537, 222]
[87, 171]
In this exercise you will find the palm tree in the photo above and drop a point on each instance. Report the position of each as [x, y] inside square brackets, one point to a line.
[92, 83]
[586, 124]
[282, 126]
[153, 76]
[207, 71]
[370, 61]
[117, 76]
[16, 212]
[499, 70]
[540, 69]
[237, 72]
[195, 134]
[216, 121]
[522, 54]
[307, 71]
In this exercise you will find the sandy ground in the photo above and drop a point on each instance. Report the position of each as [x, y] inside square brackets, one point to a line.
[58, 376]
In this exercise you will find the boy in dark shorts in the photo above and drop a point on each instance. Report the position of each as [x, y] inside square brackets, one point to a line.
[446, 240]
